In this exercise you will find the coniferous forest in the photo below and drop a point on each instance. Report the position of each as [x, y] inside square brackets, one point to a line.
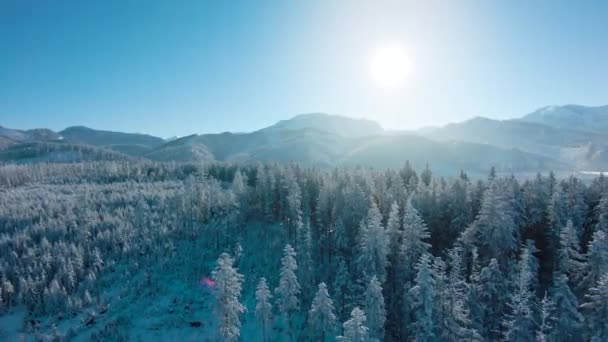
[135, 250]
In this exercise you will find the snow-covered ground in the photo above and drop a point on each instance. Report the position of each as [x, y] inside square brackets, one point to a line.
[164, 301]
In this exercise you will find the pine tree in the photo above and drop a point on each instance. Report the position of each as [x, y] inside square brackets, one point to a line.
[394, 232]
[95, 260]
[596, 307]
[421, 298]
[568, 320]
[547, 320]
[519, 322]
[304, 260]
[426, 175]
[395, 273]
[453, 311]
[558, 211]
[570, 259]
[415, 236]
[322, 318]
[8, 291]
[374, 246]
[342, 290]
[289, 288]
[493, 232]
[239, 183]
[375, 310]
[533, 264]
[474, 296]
[602, 212]
[441, 308]
[355, 329]
[493, 298]
[293, 203]
[597, 259]
[263, 307]
[228, 292]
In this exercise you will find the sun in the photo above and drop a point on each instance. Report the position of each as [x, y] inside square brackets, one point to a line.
[390, 66]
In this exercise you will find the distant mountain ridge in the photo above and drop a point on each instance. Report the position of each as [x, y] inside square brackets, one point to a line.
[128, 143]
[336, 124]
[536, 142]
[593, 119]
[573, 144]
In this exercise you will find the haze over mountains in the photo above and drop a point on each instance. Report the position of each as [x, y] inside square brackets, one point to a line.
[560, 138]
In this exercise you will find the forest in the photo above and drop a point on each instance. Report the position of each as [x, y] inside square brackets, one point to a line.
[288, 252]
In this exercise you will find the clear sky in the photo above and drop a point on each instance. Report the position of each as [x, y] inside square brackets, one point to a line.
[180, 67]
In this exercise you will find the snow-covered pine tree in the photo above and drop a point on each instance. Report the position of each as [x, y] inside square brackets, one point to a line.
[342, 290]
[426, 175]
[375, 310]
[596, 309]
[493, 298]
[568, 320]
[395, 271]
[304, 260]
[558, 217]
[422, 302]
[322, 317]
[374, 246]
[473, 299]
[547, 320]
[571, 262]
[533, 264]
[456, 311]
[239, 183]
[519, 323]
[415, 241]
[289, 289]
[596, 259]
[8, 290]
[228, 292]
[602, 214]
[355, 329]
[293, 203]
[441, 308]
[493, 232]
[263, 307]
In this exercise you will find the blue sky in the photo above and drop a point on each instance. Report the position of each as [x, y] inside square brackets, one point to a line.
[180, 67]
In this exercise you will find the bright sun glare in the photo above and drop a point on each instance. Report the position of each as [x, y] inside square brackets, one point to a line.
[390, 66]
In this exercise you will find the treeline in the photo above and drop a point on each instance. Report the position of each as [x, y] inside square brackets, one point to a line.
[369, 255]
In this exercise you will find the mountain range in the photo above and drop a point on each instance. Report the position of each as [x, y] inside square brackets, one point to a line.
[568, 138]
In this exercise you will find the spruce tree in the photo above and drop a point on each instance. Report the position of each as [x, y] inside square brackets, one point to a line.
[355, 329]
[547, 320]
[519, 323]
[395, 272]
[571, 262]
[456, 315]
[493, 298]
[422, 302]
[375, 310]
[597, 259]
[374, 246]
[342, 290]
[322, 317]
[602, 213]
[568, 320]
[289, 289]
[415, 241]
[493, 232]
[263, 307]
[228, 293]
[596, 308]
